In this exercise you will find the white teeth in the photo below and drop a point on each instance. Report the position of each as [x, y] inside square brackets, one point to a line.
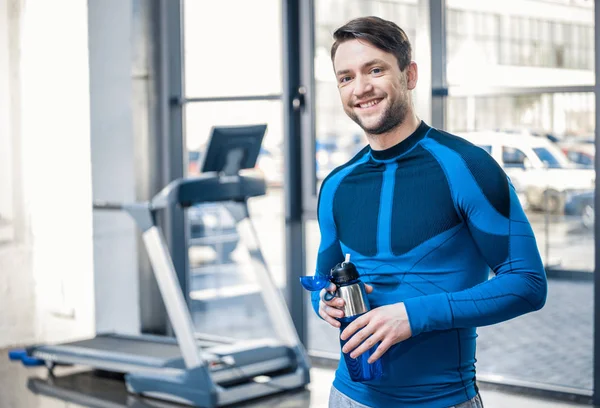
[368, 104]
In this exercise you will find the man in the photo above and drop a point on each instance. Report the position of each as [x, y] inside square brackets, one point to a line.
[424, 216]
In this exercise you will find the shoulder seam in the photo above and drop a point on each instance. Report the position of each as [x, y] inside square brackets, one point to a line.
[464, 162]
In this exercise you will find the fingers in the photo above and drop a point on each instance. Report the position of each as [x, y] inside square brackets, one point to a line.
[336, 301]
[355, 326]
[383, 347]
[328, 318]
[366, 345]
[368, 288]
[330, 310]
[358, 338]
[333, 312]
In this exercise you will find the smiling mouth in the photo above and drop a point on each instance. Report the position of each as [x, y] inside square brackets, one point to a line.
[369, 104]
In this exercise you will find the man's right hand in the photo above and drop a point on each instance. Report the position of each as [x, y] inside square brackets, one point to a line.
[333, 309]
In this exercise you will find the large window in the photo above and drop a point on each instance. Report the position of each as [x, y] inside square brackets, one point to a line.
[473, 33]
[537, 44]
[556, 115]
[233, 77]
[517, 40]
[545, 144]
[508, 70]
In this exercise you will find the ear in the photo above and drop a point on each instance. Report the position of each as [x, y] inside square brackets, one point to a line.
[412, 75]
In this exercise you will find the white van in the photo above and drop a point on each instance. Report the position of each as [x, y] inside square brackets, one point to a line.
[536, 166]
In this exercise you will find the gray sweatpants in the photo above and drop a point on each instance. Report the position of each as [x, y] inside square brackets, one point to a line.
[339, 400]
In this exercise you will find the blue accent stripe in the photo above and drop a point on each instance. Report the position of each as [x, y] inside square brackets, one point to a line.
[384, 235]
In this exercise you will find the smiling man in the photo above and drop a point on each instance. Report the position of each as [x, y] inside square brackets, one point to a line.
[424, 215]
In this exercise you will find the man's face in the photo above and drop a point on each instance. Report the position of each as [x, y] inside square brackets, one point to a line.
[374, 92]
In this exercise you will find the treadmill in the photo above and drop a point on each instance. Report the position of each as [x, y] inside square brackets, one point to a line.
[183, 369]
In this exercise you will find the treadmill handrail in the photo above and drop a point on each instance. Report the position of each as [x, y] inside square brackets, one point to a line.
[172, 295]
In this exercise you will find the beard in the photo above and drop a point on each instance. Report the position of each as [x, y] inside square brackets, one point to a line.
[393, 116]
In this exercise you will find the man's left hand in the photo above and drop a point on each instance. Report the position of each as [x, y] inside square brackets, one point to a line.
[386, 324]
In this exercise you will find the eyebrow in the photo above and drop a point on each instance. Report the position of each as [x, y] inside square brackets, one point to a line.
[375, 61]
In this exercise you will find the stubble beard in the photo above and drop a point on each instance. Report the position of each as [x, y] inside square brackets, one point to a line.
[393, 116]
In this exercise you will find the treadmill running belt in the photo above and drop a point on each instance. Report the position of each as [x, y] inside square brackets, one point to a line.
[131, 346]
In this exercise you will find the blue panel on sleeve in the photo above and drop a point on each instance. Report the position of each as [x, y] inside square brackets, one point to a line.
[483, 167]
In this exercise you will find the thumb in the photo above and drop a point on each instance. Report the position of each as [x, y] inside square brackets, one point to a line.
[368, 288]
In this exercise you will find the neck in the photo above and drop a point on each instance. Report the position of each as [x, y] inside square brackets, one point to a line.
[396, 135]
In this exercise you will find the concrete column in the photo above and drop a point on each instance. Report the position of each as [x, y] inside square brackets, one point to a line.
[116, 283]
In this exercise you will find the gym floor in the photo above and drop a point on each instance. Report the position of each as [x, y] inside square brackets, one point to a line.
[22, 387]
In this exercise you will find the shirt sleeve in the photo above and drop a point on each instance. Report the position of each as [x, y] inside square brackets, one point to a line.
[488, 204]
[330, 251]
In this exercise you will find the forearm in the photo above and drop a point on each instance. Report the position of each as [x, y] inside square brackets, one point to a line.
[498, 299]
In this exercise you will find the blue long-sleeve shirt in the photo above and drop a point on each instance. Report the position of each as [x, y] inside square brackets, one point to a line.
[424, 221]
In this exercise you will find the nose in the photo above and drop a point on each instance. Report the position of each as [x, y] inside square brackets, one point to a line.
[362, 86]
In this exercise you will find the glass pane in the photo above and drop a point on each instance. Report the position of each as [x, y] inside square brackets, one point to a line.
[545, 144]
[229, 54]
[224, 289]
[322, 338]
[338, 138]
[528, 50]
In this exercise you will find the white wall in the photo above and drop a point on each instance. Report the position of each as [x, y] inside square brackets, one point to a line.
[6, 188]
[65, 107]
[17, 300]
[55, 136]
[46, 273]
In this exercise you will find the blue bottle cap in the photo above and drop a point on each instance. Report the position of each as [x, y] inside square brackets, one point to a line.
[315, 283]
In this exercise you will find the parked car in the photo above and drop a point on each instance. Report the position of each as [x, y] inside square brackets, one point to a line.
[544, 173]
[581, 205]
[580, 153]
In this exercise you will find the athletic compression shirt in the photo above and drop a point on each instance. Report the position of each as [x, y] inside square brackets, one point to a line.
[424, 221]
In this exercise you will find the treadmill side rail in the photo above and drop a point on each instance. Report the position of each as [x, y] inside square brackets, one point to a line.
[272, 296]
[172, 295]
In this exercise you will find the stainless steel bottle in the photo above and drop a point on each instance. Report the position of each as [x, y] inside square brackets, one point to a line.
[350, 288]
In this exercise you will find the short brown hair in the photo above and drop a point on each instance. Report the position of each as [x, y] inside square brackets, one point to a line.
[383, 34]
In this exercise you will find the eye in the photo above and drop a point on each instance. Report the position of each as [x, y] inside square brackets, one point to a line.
[376, 71]
[344, 79]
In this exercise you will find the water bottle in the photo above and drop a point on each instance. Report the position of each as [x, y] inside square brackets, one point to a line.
[350, 288]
